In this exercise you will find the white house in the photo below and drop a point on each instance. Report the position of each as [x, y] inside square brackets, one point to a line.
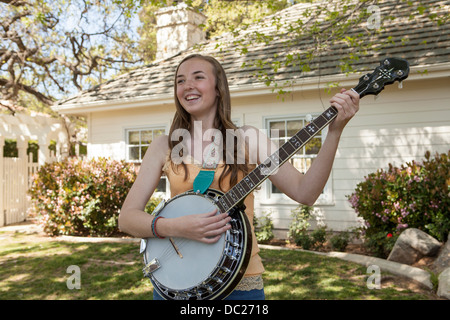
[125, 114]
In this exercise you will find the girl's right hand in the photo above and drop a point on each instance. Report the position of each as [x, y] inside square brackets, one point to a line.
[205, 227]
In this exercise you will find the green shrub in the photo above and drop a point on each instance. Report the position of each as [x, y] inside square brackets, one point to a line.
[304, 241]
[381, 244]
[298, 229]
[339, 242]
[319, 236]
[263, 227]
[300, 221]
[81, 197]
[414, 195]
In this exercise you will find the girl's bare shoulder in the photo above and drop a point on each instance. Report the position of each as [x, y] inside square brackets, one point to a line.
[157, 151]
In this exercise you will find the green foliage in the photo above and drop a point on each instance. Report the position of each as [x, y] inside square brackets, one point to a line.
[412, 196]
[10, 148]
[223, 16]
[263, 227]
[380, 243]
[298, 229]
[81, 197]
[340, 241]
[152, 204]
[64, 46]
[322, 27]
[319, 236]
[85, 43]
[304, 240]
[299, 223]
[230, 16]
[311, 240]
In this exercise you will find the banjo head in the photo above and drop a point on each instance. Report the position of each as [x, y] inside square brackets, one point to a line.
[180, 268]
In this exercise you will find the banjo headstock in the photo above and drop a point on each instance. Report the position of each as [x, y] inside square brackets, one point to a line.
[389, 71]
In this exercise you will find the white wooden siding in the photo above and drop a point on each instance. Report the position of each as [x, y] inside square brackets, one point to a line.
[107, 129]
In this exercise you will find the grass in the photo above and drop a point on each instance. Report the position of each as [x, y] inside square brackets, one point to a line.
[38, 270]
[294, 275]
[33, 268]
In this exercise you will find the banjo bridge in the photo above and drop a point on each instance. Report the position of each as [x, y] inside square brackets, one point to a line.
[176, 248]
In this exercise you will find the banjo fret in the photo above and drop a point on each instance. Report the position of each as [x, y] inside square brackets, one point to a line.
[223, 206]
[241, 190]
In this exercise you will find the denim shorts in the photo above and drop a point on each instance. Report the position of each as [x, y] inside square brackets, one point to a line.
[256, 294]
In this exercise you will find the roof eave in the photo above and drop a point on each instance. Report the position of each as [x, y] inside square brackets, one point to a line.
[110, 105]
[237, 91]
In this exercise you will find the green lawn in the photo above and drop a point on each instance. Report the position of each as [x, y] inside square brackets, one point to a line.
[36, 268]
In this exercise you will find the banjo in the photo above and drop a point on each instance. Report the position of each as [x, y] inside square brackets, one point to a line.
[183, 269]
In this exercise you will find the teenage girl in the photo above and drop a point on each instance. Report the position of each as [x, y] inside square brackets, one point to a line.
[202, 97]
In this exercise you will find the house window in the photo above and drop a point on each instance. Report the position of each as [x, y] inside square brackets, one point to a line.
[138, 141]
[280, 131]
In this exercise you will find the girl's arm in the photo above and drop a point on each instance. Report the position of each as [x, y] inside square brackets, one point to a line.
[307, 188]
[132, 218]
[205, 227]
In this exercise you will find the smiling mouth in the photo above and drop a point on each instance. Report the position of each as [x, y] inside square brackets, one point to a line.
[192, 97]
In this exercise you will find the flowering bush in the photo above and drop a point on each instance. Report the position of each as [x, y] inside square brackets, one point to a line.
[414, 195]
[81, 197]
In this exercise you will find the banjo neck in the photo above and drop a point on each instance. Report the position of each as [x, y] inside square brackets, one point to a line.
[389, 71]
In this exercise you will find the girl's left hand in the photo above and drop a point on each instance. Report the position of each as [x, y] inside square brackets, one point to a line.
[347, 104]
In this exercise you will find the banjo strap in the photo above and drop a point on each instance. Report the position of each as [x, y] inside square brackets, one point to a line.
[203, 180]
[206, 177]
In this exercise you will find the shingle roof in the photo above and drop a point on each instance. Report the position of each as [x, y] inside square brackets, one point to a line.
[421, 41]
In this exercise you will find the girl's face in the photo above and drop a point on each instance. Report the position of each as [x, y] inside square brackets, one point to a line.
[196, 87]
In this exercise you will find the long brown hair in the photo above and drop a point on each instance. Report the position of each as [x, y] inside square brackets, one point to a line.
[182, 120]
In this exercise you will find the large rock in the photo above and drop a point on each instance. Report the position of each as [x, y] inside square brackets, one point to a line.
[412, 245]
[443, 260]
[444, 284]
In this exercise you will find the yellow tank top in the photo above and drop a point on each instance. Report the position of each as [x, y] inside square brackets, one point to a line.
[178, 185]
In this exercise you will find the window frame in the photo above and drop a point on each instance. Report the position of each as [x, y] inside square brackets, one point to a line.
[127, 130]
[140, 145]
[270, 198]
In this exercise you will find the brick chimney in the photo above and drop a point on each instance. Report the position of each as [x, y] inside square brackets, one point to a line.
[177, 29]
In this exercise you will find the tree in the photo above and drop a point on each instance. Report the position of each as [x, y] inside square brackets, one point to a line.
[50, 48]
